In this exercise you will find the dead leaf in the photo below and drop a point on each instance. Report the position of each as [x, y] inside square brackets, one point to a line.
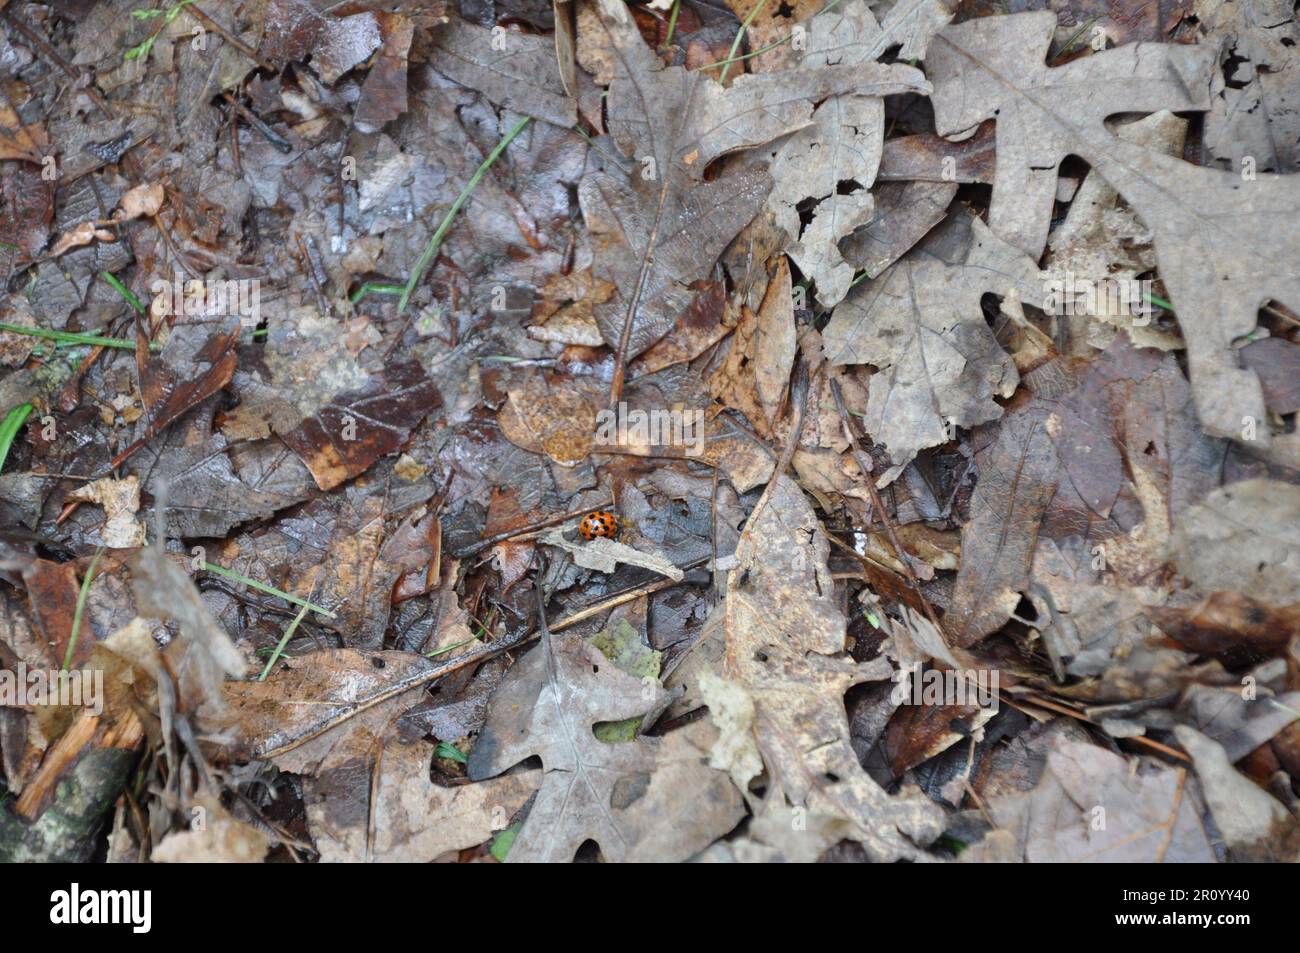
[141, 201]
[121, 501]
[838, 150]
[603, 555]
[662, 227]
[221, 839]
[516, 70]
[921, 324]
[649, 799]
[1224, 244]
[307, 696]
[1256, 827]
[1017, 478]
[994, 68]
[785, 647]
[165, 591]
[1092, 806]
[1243, 537]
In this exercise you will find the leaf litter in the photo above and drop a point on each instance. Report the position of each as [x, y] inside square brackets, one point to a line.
[935, 365]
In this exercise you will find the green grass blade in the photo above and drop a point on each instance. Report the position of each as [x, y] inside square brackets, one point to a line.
[284, 640]
[269, 590]
[70, 337]
[431, 250]
[80, 611]
[9, 428]
[125, 292]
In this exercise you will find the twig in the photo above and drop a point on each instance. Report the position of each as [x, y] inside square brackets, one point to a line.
[48, 52]
[229, 37]
[864, 462]
[257, 122]
[530, 528]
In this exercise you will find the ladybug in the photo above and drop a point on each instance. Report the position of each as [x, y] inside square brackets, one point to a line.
[598, 523]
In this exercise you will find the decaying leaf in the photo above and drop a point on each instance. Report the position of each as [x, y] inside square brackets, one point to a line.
[603, 555]
[1224, 243]
[404, 817]
[1243, 537]
[1255, 825]
[339, 413]
[310, 695]
[164, 590]
[1017, 477]
[994, 68]
[517, 70]
[839, 150]
[221, 839]
[920, 323]
[1092, 806]
[785, 648]
[663, 226]
[649, 799]
[121, 501]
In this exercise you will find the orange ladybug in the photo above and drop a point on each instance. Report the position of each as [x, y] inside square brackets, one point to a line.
[598, 523]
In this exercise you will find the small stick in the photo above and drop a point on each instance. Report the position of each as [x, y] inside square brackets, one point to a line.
[530, 528]
[48, 52]
[867, 470]
[229, 37]
[799, 403]
[256, 121]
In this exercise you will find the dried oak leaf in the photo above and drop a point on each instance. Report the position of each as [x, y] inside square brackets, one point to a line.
[311, 694]
[1017, 478]
[841, 145]
[1255, 109]
[921, 324]
[785, 647]
[753, 379]
[604, 555]
[1243, 537]
[661, 227]
[1101, 241]
[1224, 245]
[647, 800]
[1151, 814]
[221, 840]
[410, 819]
[994, 68]
[914, 24]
